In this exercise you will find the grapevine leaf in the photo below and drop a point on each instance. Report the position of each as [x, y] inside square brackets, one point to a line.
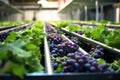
[101, 61]
[95, 34]
[16, 69]
[11, 37]
[16, 48]
[60, 68]
[19, 70]
[73, 28]
[31, 46]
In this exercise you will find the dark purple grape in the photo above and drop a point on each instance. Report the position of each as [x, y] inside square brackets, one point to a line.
[53, 52]
[65, 69]
[61, 52]
[55, 55]
[92, 69]
[64, 63]
[80, 61]
[76, 66]
[90, 61]
[94, 64]
[59, 46]
[71, 55]
[87, 65]
[55, 65]
[70, 62]
[97, 52]
[71, 68]
[103, 67]
[109, 71]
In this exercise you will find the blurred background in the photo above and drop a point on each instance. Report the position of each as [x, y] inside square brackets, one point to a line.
[97, 10]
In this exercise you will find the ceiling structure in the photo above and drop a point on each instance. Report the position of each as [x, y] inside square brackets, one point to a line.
[75, 4]
[5, 7]
[26, 2]
[72, 5]
[30, 4]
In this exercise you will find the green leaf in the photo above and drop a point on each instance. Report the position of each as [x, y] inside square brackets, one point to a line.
[60, 68]
[21, 51]
[31, 46]
[19, 70]
[73, 28]
[101, 61]
[95, 34]
[34, 64]
[62, 24]
[15, 49]
[3, 56]
[15, 69]
[11, 37]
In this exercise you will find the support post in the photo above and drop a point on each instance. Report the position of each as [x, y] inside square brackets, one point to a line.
[97, 10]
[118, 14]
[102, 13]
[86, 12]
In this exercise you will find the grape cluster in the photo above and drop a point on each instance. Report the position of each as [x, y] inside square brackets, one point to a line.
[48, 29]
[59, 46]
[3, 36]
[74, 39]
[97, 52]
[55, 38]
[78, 62]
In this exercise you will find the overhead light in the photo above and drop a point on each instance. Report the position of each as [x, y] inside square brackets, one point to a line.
[42, 2]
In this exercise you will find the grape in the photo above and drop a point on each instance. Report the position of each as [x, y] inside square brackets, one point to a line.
[109, 71]
[55, 65]
[96, 56]
[3, 36]
[55, 55]
[87, 65]
[69, 62]
[103, 67]
[59, 46]
[64, 63]
[49, 29]
[70, 68]
[80, 61]
[92, 69]
[94, 64]
[53, 52]
[76, 66]
[71, 55]
[97, 52]
[65, 69]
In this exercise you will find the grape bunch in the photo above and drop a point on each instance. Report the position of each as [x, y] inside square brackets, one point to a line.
[74, 39]
[78, 62]
[3, 36]
[49, 29]
[55, 38]
[97, 52]
[59, 46]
